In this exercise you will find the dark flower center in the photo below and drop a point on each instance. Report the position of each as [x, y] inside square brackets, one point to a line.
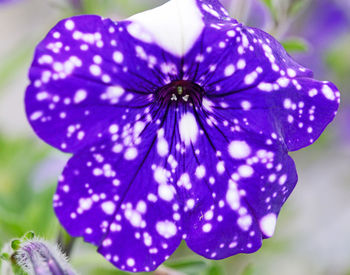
[181, 91]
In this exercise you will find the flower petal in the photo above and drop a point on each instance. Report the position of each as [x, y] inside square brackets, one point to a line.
[118, 194]
[182, 19]
[230, 57]
[87, 72]
[247, 74]
[238, 185]
[295, 112]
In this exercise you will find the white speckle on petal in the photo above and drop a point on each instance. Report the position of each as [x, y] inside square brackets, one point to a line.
[206, 228]
[282, 180]
[162, 147]
[130, 153]
[188, 129]
[327, 92]
[245, 171]
[200, 172]
[108, 207]
[190, 203]
[85, 204]
[167, 229]
[239, 149]
[80, 96]
[268, 224]
[36, 115]
[130, 262]
[118, 57]
[220, 167]
[245, 222]
[229, 70]
[69, 25]
[160, 175]
[165, 192]
[232, 196]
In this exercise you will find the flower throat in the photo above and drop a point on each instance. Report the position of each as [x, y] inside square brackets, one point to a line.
[180, 91]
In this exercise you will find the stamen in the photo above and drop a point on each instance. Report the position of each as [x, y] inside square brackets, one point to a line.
[180, 91]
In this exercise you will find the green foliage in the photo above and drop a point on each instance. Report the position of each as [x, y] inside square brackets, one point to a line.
[188, 266]
[294, 45]
[21, 208]
[338, 59]
[270, 5]
[215, 269]
[296, 6]
[121, 8]
[248, 270]
[4, 256]
[16, 244]
[30, 235]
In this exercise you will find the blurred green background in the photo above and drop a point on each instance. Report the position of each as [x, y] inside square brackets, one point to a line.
[313, 230]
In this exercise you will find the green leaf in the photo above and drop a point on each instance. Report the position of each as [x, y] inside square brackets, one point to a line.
[215, 269]
[248, 270]
[269, 4]
[294, 45]
[29, 235]
[15, 244]
[338, 60]
[188, 267]
[17, 270]
[296, 7]
[4, 256]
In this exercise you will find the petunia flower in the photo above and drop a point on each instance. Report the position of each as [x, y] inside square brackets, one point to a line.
[179, 120]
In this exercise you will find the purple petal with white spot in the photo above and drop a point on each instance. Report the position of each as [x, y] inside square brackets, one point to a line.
[174, 137]
[81, 81]
[122, 200]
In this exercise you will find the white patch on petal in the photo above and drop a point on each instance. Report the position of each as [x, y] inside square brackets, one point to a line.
[175, 26]
[239, 149]
[162, 147]
[160, 175]
[166, 229]
[108, 207]
[85, 204]
[130, 153]
[165, 192]
[229, 70]
[232, 196]
[245, 222]
[130, 262]
[268, 224]
[188, 129]
[118, 57]
[245, 171]
[200, 172]
[80, 96]
[36, 115]
[327, 92]
[207, 105]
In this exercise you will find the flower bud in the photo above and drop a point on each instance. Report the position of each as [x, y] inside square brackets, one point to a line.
[38, 257]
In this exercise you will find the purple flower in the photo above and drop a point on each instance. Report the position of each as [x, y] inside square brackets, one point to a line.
[180, 120]
[38, 257]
